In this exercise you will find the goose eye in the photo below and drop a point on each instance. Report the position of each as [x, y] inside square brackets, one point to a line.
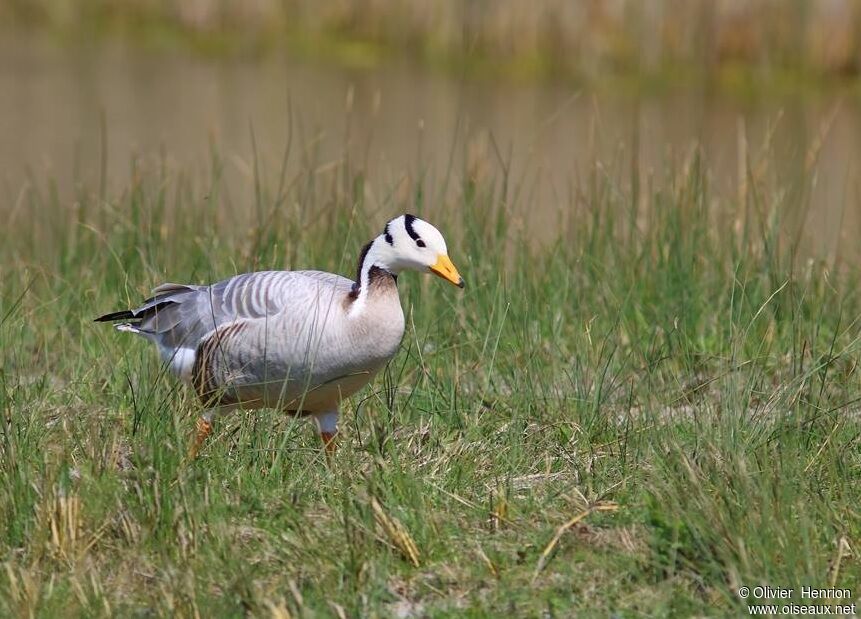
[421, 243]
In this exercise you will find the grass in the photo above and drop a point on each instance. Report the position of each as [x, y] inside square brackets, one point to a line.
[745, 48]
[638, 419]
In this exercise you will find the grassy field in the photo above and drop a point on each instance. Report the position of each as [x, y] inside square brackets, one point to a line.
[639, 419]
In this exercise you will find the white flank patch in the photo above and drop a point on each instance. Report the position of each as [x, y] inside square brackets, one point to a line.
[181, 361]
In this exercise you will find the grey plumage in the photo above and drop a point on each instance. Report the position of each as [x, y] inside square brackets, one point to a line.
[181, 314]
[297, 340]
[271, 338]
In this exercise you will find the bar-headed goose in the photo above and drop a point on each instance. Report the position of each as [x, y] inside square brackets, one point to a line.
[299, 341]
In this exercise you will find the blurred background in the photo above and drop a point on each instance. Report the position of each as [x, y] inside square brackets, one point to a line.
[422, 97]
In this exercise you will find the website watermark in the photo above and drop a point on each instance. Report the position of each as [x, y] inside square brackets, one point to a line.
[764, 601]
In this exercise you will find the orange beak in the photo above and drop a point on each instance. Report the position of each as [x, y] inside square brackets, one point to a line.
[445, 269]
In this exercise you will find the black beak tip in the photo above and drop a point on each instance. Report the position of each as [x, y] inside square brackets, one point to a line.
[461, 284]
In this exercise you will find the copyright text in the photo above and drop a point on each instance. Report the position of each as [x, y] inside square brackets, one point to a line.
[814, 601]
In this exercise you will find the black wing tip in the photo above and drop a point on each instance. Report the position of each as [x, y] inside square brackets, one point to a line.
[123, 315]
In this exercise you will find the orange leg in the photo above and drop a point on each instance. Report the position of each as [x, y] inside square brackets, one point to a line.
[204, 429]
[330, 444]
[327, 426]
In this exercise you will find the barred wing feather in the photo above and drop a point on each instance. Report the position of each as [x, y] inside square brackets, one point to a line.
[180, 315]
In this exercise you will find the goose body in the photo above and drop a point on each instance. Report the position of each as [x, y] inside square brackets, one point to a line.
[299, 341]
[281, 339]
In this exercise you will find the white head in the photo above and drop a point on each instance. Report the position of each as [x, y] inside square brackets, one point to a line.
[408, 243]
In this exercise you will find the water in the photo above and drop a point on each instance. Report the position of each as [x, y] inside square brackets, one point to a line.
[398, 123]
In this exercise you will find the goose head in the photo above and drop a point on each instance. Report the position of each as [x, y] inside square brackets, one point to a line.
[410, 243]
